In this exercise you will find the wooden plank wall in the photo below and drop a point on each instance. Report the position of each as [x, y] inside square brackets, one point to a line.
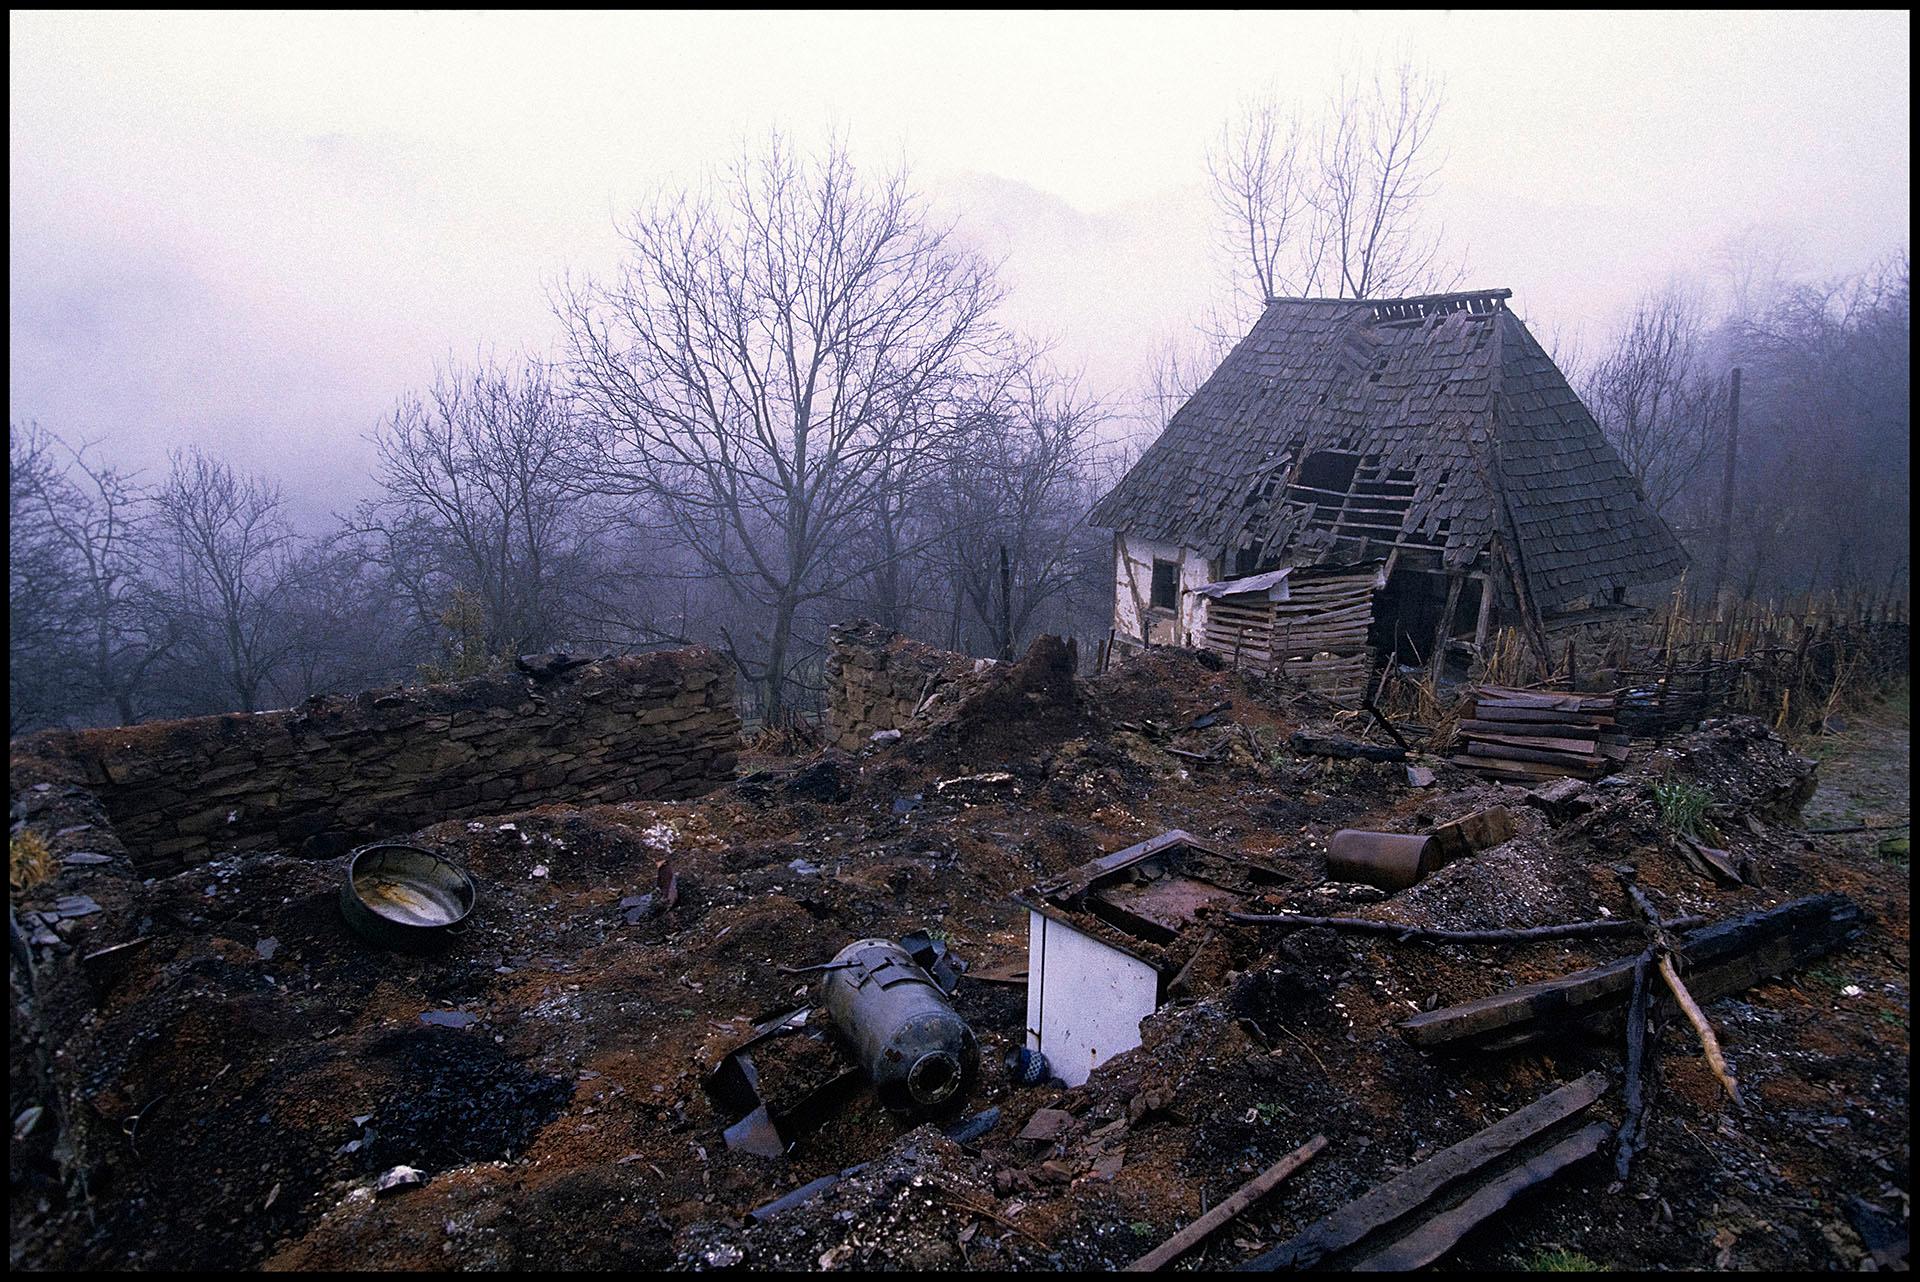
[1318, 636]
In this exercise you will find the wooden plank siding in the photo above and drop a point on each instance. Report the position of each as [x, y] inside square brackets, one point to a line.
[1317, 636]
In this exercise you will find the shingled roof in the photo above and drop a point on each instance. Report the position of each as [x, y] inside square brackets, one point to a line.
[1462, 426]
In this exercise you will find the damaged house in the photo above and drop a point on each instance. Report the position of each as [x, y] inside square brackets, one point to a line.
[1378, 475]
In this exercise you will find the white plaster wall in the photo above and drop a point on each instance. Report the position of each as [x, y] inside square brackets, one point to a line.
[1085, 1000]
[1133, 590]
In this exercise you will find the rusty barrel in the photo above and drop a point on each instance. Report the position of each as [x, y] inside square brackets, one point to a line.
[1389, 860]
[919, 1054]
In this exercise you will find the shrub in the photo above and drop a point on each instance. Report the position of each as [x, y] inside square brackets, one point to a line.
[29, 862]
[1559, 1261]
[1682, 805]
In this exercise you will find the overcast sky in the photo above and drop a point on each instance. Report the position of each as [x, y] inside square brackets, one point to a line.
[254, 232]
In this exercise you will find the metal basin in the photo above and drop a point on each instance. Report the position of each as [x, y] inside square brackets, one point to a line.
[405, 897]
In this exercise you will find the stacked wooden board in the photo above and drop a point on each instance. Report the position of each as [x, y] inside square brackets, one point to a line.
[1317, 635]
[1524, 736]
[1320, 630]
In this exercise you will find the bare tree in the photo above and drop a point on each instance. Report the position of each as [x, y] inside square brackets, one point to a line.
[476, 496]
[1177, 364]
[79, 531]
[224, 554]
[344, 632]
[759, 362]
[1263, 187]
[1826, 440]
[1376, 171]
[45, 610]
[1339, 208]
[1654, 396]
[1018, 489]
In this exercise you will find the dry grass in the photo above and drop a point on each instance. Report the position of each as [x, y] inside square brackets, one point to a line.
[1508, 662]
[1418, 700]
[791, 736]
[29, 862]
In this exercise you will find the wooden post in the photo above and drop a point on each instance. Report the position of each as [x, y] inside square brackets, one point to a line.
[1442, 632]
[1727, 486]
[1666, 690]
[1006, 605]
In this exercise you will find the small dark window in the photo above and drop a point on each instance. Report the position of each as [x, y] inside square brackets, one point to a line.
[1166, 585]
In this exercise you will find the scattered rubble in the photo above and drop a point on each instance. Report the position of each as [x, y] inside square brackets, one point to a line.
[234, 1105]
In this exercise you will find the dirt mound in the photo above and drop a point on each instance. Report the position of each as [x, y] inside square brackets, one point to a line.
[1747, 767]
[1012, 712]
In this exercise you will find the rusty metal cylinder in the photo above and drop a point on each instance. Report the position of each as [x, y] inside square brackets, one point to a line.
[919, 1054]
[1389, 860]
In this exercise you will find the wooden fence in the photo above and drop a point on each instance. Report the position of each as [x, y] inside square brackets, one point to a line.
[1794, 665]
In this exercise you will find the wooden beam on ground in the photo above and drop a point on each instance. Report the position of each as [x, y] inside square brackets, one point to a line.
[1434, 1238]
[1722, 958]
[1250, 1192]
[1410, 1216]
[1472, 833]
[1330, 746]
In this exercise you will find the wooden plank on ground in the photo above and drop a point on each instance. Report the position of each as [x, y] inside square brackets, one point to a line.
[1576, 760]
[1531, 769]
[1406, 1193]
[1433, 1238]
[1191, 1236]
[1722, 958]
[1543, 743]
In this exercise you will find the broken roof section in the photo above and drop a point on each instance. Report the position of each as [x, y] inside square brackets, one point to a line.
[1422, 423]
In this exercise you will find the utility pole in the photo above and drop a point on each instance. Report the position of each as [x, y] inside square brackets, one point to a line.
[1726, 488]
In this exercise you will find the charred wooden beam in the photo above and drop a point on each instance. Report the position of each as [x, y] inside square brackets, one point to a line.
[1722, 958]
[1627, 1139]
[1403, 933]
[1433, 1238]
[1332, 746]
[1416, 1217]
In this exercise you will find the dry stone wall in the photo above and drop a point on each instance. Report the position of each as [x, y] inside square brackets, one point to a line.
[878, 680]
[317, 779]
